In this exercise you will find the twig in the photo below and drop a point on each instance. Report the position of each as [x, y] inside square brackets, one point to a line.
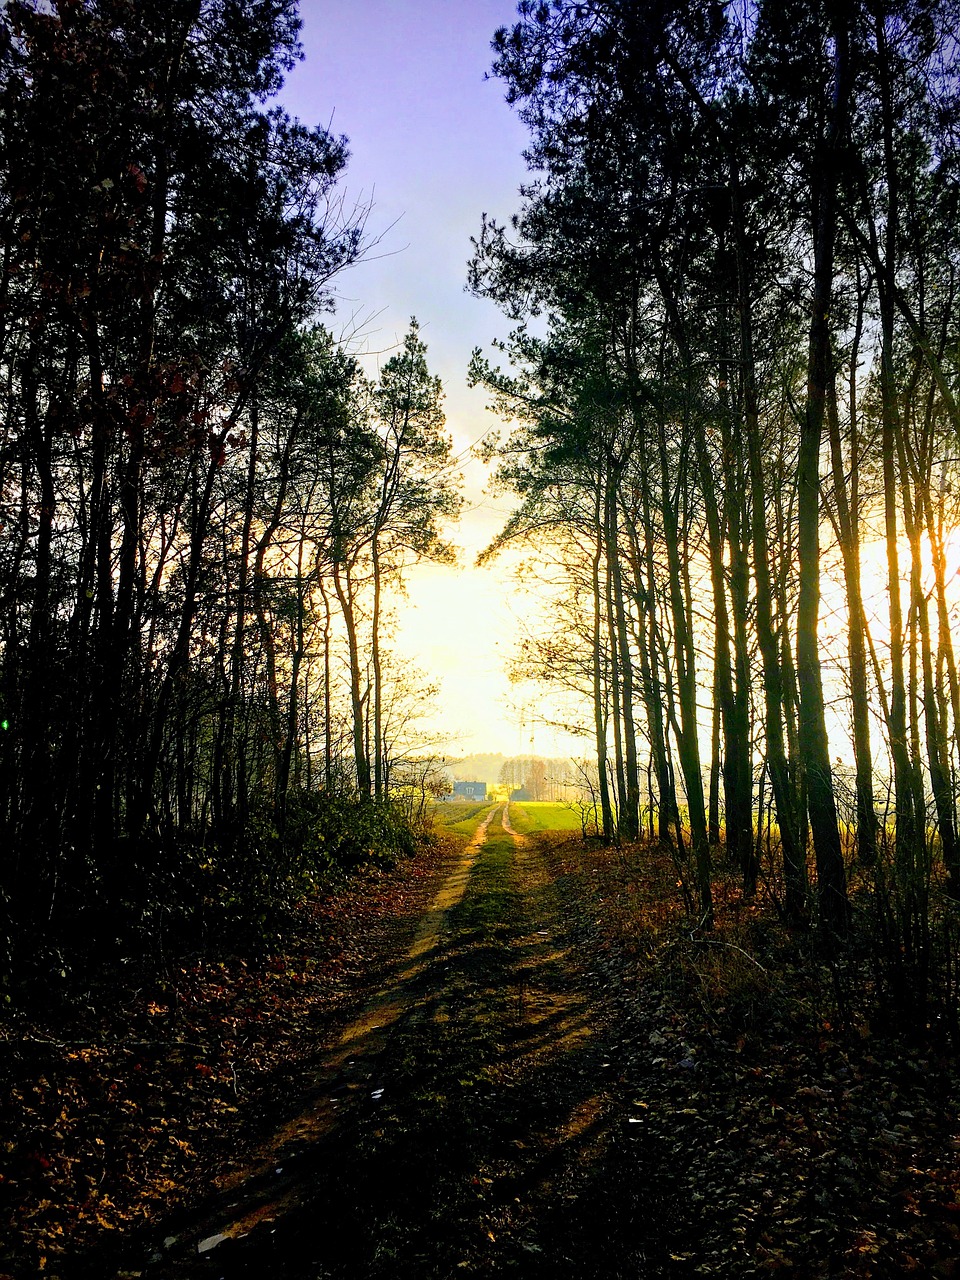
[119, 1044]
[713, 942]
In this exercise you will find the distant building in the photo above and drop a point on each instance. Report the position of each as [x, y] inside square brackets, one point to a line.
[470, 791]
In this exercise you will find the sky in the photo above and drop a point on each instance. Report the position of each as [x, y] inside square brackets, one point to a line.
[433, 145]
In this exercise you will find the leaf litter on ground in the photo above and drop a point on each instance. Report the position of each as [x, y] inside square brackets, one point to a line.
[138, 1097]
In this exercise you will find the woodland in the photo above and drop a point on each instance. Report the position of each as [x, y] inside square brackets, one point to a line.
[205, 502]
[730, 390]
[733, 405]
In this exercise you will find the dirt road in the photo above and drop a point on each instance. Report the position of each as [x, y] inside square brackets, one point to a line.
[554, 1084]
[457, 1122]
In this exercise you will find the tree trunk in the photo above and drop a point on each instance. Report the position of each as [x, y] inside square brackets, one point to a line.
[599, 690]
[688, 746]
[848, 521]
[630, 812]
[794, 857]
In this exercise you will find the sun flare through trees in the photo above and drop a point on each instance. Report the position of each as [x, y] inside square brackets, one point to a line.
[294, 981]
[733, 403]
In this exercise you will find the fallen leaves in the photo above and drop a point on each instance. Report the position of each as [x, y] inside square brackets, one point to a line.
[794, 1140]
[769, 1134]
[112, 1115]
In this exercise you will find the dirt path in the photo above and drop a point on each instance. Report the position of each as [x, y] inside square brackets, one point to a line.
[554, 1080]
[458, 1120]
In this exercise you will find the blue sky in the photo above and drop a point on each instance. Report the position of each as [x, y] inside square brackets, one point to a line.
[433, 145]
[431, 141]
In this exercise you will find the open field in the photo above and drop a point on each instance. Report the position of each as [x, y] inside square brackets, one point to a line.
[543, 815]
[460, 818]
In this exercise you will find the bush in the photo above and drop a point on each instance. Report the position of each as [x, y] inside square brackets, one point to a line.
[338, 832]
[235, 891]
[199, 889]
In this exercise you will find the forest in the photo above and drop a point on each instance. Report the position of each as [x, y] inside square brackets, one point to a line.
[729, 387]
[732, 397]
[206, 505]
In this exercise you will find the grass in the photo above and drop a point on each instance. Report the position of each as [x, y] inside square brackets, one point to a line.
[462, 819]
[543, 815]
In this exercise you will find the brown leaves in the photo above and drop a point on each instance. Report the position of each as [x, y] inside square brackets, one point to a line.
[138, 176]
[804, 1142]
[109, 1119]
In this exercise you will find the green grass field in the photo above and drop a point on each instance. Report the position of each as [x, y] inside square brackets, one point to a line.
[543, 815]
[461, 818]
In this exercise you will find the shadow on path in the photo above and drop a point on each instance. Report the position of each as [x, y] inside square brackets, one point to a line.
[466, 1123]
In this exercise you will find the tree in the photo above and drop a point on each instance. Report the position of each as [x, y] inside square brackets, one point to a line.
[165, 232]
[718, 202]
[417, 489]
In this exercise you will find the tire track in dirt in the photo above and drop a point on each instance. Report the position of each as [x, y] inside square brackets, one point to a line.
[463, 1118]
[546, 996]
[560, 1036]
[274, 1185]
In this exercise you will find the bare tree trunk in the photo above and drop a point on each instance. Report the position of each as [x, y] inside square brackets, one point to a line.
[733, 694]
[650, 673]
[688, 745]
[736, 746]
[232, 785]
[599, 690]
[630, 811]
[848, 522]
[376, 746]
[945, 660]
[613, 654]
[713, 793]
[327, 689]
[794, 859]
[814, 746]
[916, 485]
[343, 587]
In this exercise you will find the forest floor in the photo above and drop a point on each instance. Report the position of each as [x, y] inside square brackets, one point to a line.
[509, 1056]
